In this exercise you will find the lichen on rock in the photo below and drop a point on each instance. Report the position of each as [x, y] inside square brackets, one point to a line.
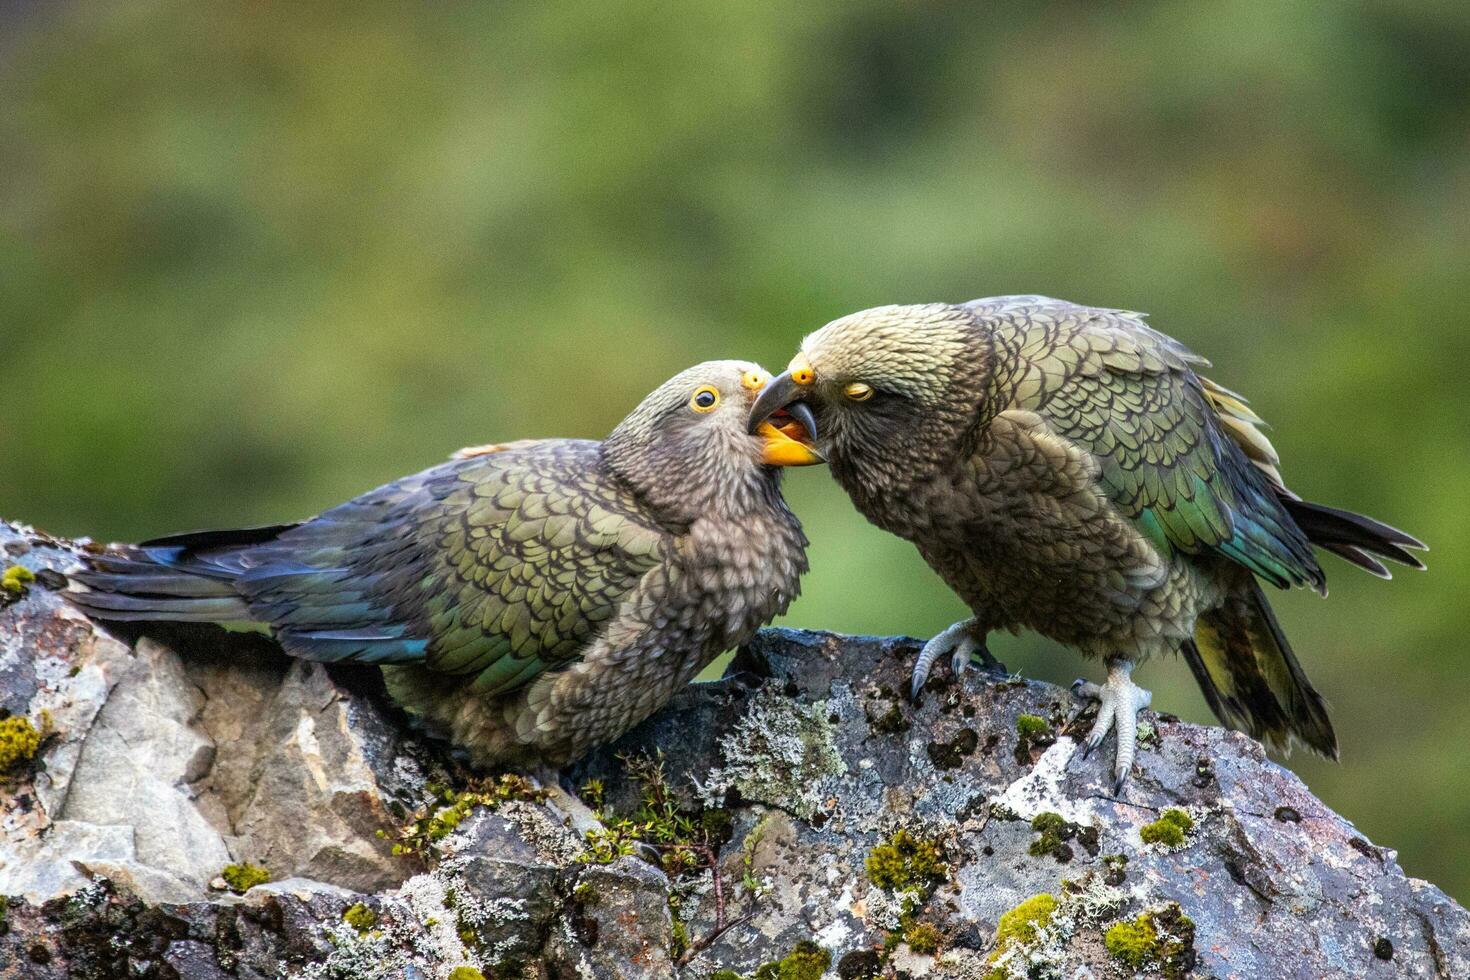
[780, 753]
[828, 841]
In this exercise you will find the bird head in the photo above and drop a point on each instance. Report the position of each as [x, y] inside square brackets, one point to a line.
[893, 390]
[688, 449]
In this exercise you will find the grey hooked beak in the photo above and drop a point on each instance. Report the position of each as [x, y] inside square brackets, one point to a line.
[786, 423]
[783, 393]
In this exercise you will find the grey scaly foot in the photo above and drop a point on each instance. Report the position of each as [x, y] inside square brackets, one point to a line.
[962, 641]
[1119, 702]
[569, 810]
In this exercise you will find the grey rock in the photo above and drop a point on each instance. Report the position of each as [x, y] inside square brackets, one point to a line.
[170, 752]
[168, 758]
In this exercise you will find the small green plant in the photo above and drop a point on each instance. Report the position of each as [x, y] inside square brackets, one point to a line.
[1055, 833]
[465, 973]
[686, 839]
[1029, 725]
[1162, 936]
[19, 742]
[906, 862]
[806, 961]
[13, 580]
[360, 917]
[1019, 925]
[452, 807]
[923, 938]
[1170, 830]
[1032, 732]
[242, 877]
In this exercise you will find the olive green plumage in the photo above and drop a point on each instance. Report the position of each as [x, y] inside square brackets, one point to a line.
[1065, 469]
[534, 599]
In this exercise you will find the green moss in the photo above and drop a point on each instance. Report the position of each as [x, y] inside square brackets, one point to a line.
[452, 807]
[1032, 732]
[4, 910]
[1132, 942]
[679, 944]
[923, 937]
[360, 917]
[15, 579]
[725, 975]
[1029, 725]
[243, 877]
[806, 961]
[906, 862]
[1162, 936]
[1055, 831]
[19, 742]
[465, 973]
[1019, 925]
[1169, 830]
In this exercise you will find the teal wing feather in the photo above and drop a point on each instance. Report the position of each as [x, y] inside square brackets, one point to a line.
[496, 567]
[1179, 455]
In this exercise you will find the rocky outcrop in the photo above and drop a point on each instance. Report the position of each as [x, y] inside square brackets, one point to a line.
[798, 819]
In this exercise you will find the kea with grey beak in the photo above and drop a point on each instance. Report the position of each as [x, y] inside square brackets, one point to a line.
[1065, 469]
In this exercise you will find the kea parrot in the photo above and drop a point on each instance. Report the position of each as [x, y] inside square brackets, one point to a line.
[1065, 469]
[531, 601]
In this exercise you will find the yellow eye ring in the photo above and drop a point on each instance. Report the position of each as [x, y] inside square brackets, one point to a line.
[754, 380]
[858, 391]
[706, 398]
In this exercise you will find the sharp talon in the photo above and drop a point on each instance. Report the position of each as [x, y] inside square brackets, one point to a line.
[958, 641]
[959, 662]
[1119, 701]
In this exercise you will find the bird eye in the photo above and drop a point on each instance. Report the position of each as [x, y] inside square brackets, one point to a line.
[858, 391]
[705, 399]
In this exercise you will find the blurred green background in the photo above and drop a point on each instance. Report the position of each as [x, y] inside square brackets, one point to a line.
[256, 258]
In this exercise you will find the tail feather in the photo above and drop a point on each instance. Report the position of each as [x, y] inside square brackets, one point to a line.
[1354, 537]
[152, 608]
[1251, 678]
[187, 578]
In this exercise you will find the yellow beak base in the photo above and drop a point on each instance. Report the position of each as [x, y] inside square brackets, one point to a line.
[787, 446]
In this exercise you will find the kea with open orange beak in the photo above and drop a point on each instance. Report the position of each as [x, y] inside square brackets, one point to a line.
[531, 600]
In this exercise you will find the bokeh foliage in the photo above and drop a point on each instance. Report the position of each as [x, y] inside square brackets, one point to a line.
[258, 257]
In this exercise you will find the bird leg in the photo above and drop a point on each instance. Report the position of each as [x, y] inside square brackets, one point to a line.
[571, 812]
[1119, 702]
[962, 641]
[564, 804]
